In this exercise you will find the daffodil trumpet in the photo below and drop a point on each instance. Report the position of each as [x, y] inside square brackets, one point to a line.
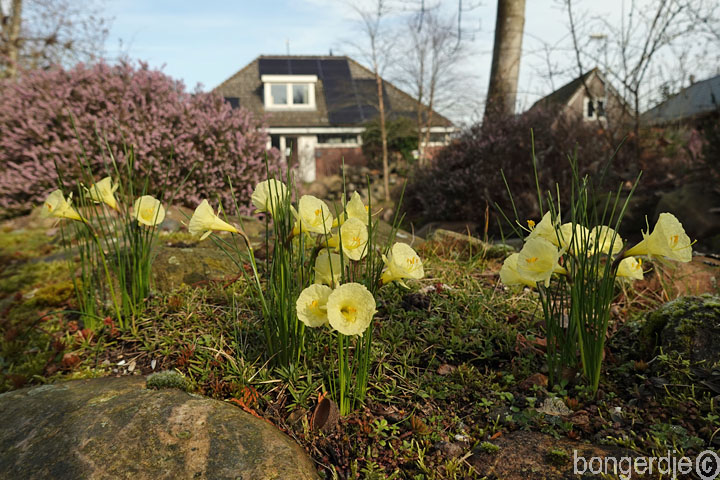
[204, 222]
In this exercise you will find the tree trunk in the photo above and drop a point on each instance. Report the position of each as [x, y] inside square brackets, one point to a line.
[383, 135]
[507, 50]
[12, 39]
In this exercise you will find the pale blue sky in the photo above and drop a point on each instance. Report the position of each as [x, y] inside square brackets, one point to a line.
[207, 41]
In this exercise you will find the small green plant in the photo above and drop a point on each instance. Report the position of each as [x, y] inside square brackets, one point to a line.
[557, 457]
[488, 447]
[575, 266]
[167, 379]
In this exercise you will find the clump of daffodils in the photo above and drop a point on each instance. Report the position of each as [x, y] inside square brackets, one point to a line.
[585, 264]
[340, 269]
[551, 245]
[115, 249]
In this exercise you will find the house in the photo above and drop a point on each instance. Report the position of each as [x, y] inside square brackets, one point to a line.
[692, 105]
[316, 107]
[590, 97]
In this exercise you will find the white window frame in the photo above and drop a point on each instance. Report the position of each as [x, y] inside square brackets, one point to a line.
[289, 81]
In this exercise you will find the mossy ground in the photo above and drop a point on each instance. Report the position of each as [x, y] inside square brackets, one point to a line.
[451, 359]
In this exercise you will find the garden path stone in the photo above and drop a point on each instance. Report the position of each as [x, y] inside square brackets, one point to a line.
[115, 428]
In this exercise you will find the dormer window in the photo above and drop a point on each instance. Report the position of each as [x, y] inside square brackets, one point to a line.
[289, 92]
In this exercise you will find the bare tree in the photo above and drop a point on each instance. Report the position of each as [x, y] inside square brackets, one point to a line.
[507, 50]
[40, 33]
[636, 50]
[429, 67]
[375, 50]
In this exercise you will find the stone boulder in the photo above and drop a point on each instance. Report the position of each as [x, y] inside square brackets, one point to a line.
[465, 243]
[114, 428]
[175, 266]
[688, 325]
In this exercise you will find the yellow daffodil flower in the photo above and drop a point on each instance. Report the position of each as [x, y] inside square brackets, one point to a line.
[538, 260]
[668, 239]
[328, 269]
[104, 192]
[148, 211]
[204, 222]
[269, 195]
[576, 235]
[403, 262]
[350, 309]
[355, 208]
[354, 237]
[311, 305]
[545, 229]
[630, 268]
[56, 206]
[509, 274]
[606, 240]
[314, 215]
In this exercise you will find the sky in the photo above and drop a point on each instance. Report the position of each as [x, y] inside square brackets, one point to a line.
[205, 42]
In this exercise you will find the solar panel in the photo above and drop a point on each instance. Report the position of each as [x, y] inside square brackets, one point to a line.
[274, 66]
[303, 67]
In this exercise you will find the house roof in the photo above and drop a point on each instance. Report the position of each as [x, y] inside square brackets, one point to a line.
[345, 95]
[696, 100]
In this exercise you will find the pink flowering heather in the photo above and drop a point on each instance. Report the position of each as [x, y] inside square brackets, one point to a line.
[130, 107]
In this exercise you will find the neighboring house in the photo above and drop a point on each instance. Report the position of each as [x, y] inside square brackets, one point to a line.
[590, 97]
[692, 105]
[315, 108]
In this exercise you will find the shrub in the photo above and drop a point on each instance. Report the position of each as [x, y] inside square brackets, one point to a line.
[466, 174]
[402, 140]
[124, 106]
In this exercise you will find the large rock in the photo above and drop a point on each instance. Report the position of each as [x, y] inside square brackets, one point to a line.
[191, 266]
[462, 242]
[688, 325]
[114, 428]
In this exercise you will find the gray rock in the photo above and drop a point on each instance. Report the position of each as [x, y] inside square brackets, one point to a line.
[463, 242]
[193, 265]
[113, 428]
[688, 325]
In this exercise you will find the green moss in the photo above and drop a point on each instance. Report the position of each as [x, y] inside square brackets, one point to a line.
[25, 243]
[167, 379]
[557, 457]
[25, 277]
[676, 323]
[488, 447]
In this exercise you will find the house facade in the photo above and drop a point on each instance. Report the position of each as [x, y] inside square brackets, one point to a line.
[590, 98]
[316, 108]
